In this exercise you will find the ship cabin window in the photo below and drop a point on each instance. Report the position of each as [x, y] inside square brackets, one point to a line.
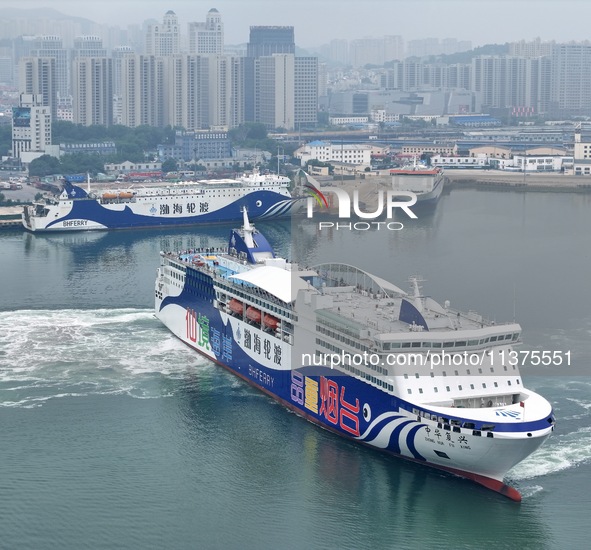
[496, 384]
[447, 388]
[493, 338]
[406, 344]
[444, 373]
[448, 344]
[436, 344]
[426, 344]
[484, 385]
[386, 346]
[406, 376]
[460, 343]
[515, 336]
[416, 344]
[395, 345]
[517, 381]
[420, 390]
[409, 390]
[472, 342]
[432, 374]
[460, 387]
[479, 371]
[471, 386]
[505, 367]
[416, 374]
[456, 372]
[435, 390]
[467, 371]
[508, 382]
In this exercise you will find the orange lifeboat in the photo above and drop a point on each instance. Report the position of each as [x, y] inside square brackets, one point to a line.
[270, 322]
[253, 314]
[125, 195]
[109, 196]
[235, 306]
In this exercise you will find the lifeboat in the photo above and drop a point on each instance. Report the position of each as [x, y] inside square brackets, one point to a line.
[125, 195]
[253, 314]
[270, 322]
[109, 196]
[235, 306]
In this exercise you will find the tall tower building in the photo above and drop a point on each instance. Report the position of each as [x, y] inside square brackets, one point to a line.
[571, 78]
[92, 86]
[264, 41]
[164, 39]
[270, 40]
[88, 46]
[118, 55]
[275, 97]
[37, 77]
[226, 86]
[208, 37]
[51, 46]
[306, 87]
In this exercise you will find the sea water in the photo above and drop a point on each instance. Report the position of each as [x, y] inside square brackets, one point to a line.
[116, 435]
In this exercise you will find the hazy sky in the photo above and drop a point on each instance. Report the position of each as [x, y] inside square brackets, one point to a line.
[319, 21]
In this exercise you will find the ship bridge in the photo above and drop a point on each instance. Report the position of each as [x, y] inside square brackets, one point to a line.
[345, 275]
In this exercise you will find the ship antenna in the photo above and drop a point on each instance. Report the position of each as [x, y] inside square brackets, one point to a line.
[514, 301]
[248, 229]
[88, 182]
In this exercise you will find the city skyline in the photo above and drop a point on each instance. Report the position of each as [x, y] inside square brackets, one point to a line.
[316, 23]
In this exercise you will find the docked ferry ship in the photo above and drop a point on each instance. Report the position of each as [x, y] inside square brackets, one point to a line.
[359, 356]
[425, 182]
[184, 203]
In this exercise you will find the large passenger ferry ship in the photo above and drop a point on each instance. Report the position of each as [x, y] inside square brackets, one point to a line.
[359, 356]
[184, 203]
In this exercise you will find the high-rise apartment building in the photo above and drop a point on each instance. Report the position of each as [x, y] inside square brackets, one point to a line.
[51, 46]
[275, 91]
[31, 127]
[226, 91]
[306, 88]
[119, 53]
[92, 87]
[38, 77]
[571, 78]
[88, 46]
[164, 39]
[264, 41]
[207, 37]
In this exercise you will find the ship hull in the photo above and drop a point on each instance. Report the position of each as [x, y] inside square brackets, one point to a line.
[93, 214]
[346, 405]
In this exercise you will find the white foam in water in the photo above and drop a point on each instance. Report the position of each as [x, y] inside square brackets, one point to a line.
[559, 452]
[59, 353]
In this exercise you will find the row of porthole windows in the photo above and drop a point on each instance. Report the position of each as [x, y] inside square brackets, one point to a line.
[460, 387]
[458, 343]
